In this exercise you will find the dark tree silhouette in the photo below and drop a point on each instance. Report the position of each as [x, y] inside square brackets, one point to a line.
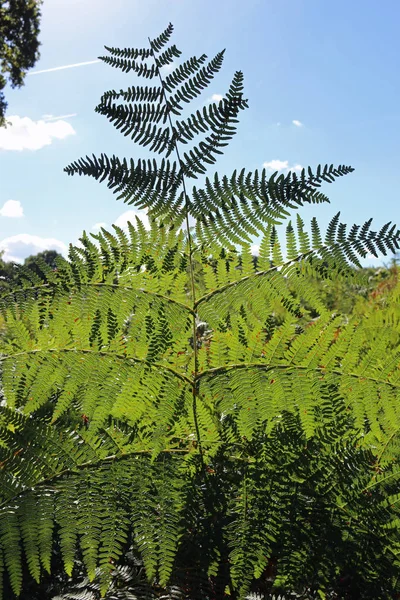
[19, 44]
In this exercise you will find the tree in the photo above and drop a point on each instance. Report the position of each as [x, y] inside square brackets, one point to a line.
[19, 44]
[11, 272]
[151, 403]
[6, 273]
[47, 257]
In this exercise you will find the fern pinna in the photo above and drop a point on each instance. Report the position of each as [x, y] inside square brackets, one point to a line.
[150, 399]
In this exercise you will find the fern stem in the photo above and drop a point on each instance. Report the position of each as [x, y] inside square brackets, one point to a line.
[191, 263]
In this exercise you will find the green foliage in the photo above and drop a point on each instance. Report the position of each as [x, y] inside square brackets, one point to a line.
[19, 45]
[152, 400]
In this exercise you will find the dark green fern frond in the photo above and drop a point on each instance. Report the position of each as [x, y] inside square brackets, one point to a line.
[133, 94]
[145, 116]
[126, 65]
[221, 119]
[233, 209]
[193, 86]
[143, 184]
[159, 42]
[182, 72]
[167, 57]
[239, 207]
[140, 122]
[135, 53]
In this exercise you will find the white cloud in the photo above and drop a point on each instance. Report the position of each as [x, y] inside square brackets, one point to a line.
[280, 165]
[214, 98]
[276, 165]
[255, 249]
[18, 247]
[297, 123]
[130, 215]
[372, 257]
[98, 226]
[81, 64]
[168, 68]
[25, 134]
[12, 208]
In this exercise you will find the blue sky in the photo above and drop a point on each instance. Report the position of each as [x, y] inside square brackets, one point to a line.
[322, 81]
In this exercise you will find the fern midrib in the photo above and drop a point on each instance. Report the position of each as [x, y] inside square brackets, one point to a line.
[231, 284]
[116, 286]
[282, 265]
[197, 377]
[191, 265]
[152, 365]
[288, 367]
[385, 447]
[87, 465]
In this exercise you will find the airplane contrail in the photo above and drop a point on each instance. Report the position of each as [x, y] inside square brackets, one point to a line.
[82, 64]
[51, 118]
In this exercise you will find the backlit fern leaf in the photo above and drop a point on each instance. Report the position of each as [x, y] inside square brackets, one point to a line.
[120, 299]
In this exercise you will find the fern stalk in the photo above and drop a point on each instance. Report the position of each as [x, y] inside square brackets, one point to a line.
[191, 265]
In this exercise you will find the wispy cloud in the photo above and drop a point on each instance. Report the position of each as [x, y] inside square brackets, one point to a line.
[51, 118]
[280, 165]
[297, 123]
[74, 66]
[12, 208]
[25, 134]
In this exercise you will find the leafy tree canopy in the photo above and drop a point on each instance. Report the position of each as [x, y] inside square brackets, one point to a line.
[48, 257]
[11, 272]
[19, 44]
